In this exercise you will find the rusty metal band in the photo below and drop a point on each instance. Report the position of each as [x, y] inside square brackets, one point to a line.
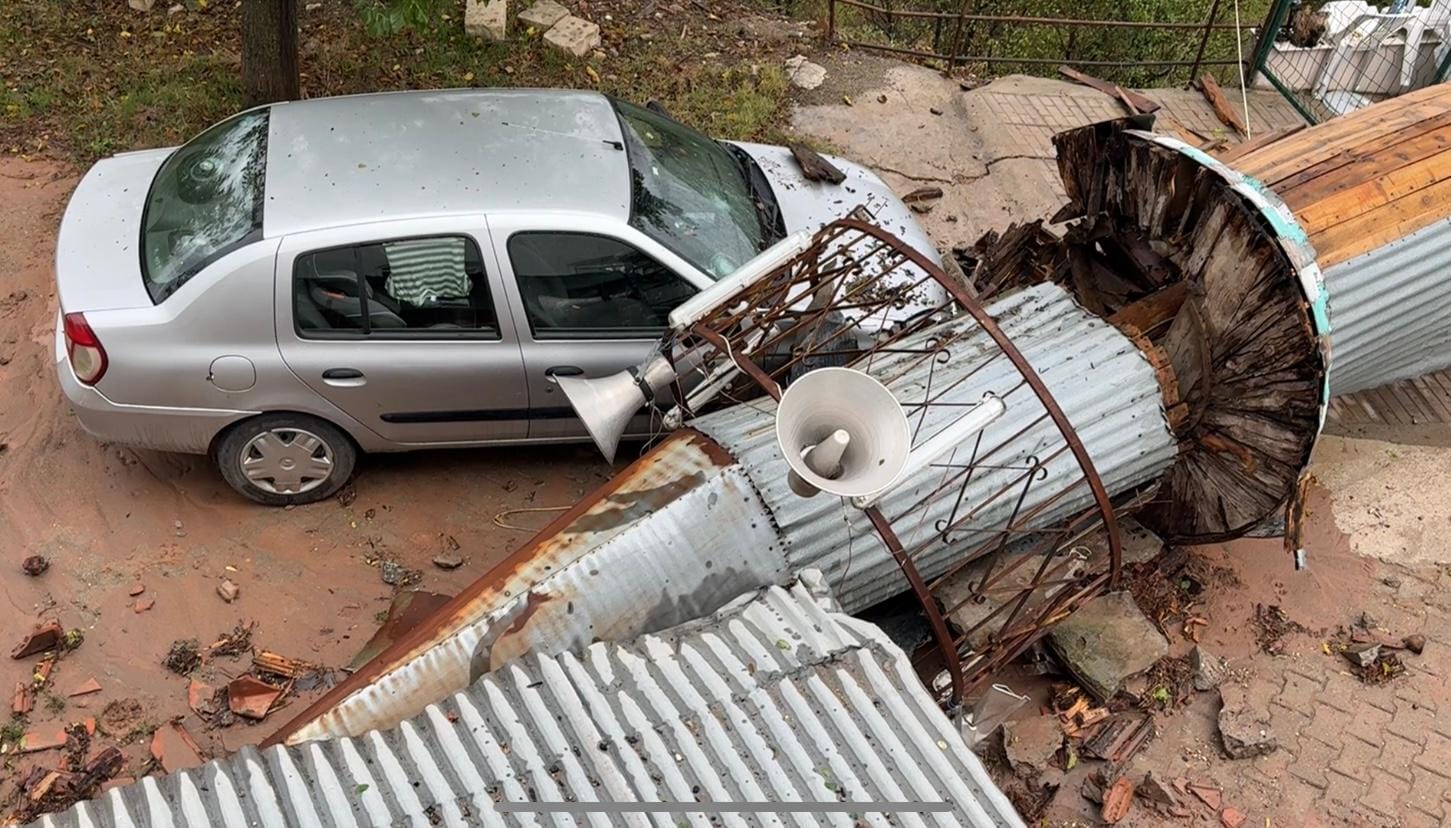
[743, 362]
[929, 606]
[990, 325]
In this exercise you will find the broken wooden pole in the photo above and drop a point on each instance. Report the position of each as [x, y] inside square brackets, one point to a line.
[1223, 109]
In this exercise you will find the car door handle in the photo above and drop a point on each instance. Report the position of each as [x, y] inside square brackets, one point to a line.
[563, 371]
[343, 377]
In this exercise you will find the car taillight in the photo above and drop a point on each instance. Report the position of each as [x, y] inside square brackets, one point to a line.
[88, 358]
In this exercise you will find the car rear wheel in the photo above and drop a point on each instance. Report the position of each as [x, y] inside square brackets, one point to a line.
[286, 459]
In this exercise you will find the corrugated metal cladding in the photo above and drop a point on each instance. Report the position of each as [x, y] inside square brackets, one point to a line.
[671, 546]
[1103, 383]
[1390, 309]
[776, 698]
[693, 533]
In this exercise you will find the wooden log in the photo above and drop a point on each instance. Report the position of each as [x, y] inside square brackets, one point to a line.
[1222, 108]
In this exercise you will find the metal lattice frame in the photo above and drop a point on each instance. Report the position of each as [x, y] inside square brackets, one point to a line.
[1324, 73]
[860, 296]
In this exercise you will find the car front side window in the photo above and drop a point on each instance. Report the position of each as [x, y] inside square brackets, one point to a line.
[584, 286]
[433, 287]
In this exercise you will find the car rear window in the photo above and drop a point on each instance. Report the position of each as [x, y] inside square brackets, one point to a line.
[205, 202]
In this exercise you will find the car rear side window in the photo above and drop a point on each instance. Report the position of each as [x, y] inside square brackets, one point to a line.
[582, 286]
[205, 202]
[418, 288]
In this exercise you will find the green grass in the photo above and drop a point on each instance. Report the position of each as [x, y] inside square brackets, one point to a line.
[85, 80]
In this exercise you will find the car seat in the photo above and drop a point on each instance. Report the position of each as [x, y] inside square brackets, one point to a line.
[337, 293]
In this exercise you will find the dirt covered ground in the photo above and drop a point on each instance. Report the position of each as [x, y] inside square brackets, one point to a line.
[109, 519]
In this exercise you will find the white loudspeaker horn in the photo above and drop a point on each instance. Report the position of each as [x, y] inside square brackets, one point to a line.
[842, 432]
[606, 404]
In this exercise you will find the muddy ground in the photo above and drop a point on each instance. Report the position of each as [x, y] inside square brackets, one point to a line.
[109, 517]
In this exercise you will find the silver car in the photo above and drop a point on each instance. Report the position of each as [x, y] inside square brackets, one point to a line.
[311, 280]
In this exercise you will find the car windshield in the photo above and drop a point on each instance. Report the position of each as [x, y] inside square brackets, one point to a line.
[205, 202]
[689, 194]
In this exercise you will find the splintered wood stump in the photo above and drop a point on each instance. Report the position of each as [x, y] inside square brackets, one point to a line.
[1165, 249]
[1166, 244]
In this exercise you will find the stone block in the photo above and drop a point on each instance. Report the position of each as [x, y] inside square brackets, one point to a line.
[1209, 669]
[488, 19]
[1243, 727]
[1031, 744]
[543, 15]
[803, 73]
[1107, 641]
[574, 35]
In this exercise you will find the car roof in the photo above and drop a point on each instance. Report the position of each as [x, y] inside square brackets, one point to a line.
[363, 158]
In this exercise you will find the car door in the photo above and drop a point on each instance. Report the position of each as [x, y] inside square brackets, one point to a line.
[590, 299]
[402, 326]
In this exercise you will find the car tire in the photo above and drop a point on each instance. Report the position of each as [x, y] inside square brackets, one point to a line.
[286, 459]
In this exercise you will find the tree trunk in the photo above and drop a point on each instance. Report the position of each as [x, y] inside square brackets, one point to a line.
[269, 51]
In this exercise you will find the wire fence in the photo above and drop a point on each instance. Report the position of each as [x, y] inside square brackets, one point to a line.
[1129, 42]
[1331, 59]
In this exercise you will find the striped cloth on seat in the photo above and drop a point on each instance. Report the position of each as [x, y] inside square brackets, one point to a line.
[422, 271]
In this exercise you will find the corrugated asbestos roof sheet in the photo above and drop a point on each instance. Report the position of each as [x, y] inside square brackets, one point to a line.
[777, 697]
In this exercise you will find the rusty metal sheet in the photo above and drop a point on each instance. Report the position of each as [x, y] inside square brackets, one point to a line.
[671, 538]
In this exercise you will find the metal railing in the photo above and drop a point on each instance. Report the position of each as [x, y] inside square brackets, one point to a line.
[987, 33]
[1328, 62]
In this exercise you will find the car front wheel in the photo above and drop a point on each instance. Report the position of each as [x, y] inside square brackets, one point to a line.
[286, 459]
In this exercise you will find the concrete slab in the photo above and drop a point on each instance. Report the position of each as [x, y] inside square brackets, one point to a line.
[543, 15]
[574, 35]
[1107, 641]
[488, 19]
[989, 148]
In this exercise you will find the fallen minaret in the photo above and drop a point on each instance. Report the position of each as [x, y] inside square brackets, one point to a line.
[1358, 210]
[1091, 425]
[1185, 385]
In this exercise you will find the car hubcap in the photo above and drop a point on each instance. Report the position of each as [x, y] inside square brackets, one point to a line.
[287, 461]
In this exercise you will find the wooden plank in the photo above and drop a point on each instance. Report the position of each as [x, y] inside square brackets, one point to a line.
[1367, 168]
[814, 167]
[1392, 408]
[1441, 380]
[1378, 227]
[1434, 400]
[1344, 205]
[1148, 313]
[1376, 148]
[1405, 395]
[1222, 109]
[1136, 103]
[1415, 401]
[1324, 141]
[1263, 140]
